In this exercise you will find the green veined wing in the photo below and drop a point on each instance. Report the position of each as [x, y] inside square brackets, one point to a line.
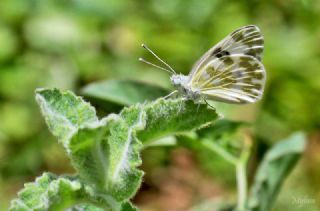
[232, 79]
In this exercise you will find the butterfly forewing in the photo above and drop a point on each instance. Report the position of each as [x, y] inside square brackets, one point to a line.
[232, 79]
[246, 40]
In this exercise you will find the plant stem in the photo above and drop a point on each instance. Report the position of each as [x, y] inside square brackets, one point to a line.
[241, 168]
[242, 186]
[241, 174]
[220, 151]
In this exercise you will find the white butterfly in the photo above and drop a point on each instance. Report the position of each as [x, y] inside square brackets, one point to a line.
[230, 72]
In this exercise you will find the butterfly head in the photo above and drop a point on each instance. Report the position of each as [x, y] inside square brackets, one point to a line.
[179, 80]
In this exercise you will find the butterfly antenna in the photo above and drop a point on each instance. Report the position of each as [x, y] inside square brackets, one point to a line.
[155, 55]
[154, 65]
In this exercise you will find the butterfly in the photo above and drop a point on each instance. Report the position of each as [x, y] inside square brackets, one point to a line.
[230, 72]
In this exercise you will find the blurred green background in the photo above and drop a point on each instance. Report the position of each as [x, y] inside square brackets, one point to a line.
[69, 44]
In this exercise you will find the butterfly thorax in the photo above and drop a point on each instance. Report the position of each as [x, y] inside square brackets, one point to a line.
[181, 82]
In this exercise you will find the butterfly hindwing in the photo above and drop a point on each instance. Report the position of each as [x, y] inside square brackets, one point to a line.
[246, 40]
[232, 79]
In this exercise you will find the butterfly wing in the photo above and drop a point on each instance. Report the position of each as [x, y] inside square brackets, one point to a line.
[233, 79]
[246, 40]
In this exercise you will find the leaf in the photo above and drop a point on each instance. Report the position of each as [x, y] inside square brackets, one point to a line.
[49, 192]
[275, 167]
[221, 137]
[214, 145]
[166, 141]
[127, 206]
[64, 112]
[106, 152]
[221, 129]
[123, 92]
[112, 168]
[86, 207]
[167, 117]
[107, 156]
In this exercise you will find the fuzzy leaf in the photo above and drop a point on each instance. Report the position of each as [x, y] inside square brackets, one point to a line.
[275, 167]
[107, 156]
[106, 153]
[123, 92]
[64, 112]
[127, 206]
[49, 192]
[86, 207]
[167, 117]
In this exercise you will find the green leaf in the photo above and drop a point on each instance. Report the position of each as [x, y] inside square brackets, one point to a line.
[123, 92]
[86, 207]
[106, 152]
[50, 192]
[221, 129]
[222, 138]
[167, 117]
[127, 206]
[107, 156]
[64, 112]
[275, 167]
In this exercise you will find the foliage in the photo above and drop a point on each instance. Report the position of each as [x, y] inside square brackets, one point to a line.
[72, 44]
[276, 165]
[122, 92]
[105, 152]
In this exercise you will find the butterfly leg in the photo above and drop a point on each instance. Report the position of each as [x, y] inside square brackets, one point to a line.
[209, 104]
[169, 95]
[198, 107]
[181, 103]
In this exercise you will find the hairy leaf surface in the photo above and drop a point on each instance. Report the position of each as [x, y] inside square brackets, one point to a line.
[64, 112]
[106, 152]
